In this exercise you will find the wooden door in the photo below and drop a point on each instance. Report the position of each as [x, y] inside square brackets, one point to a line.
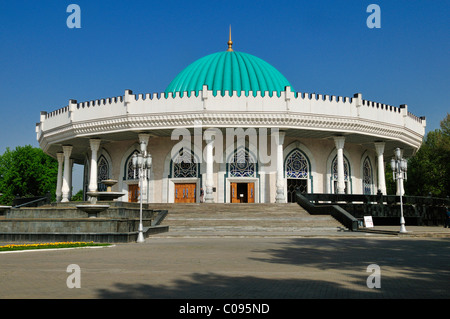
[250, 192]
[179, 196]
[185, 193]
[133, 193]
[234, 194]
[190, 192]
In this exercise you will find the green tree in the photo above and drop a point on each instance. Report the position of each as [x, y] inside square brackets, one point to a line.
[445, 149]
[445, 127]
[429, 169]
[391, 186]
[26, 171]
[78, 196]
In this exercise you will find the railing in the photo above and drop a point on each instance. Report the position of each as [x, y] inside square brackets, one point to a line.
[385, 209]
[336, 211]
[31, 201]
[161, 214]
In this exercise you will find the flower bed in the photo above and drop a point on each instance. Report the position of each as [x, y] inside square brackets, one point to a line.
[12, 247]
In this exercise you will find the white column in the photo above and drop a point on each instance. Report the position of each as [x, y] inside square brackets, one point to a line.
[209, 183]
[67, 149]
[379, 147]
[280, 169]
[60, 158]
[93, 183]
[339, 142]
[70, 178]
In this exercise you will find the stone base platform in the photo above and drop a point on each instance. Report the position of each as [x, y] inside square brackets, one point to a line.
[65, 222]
[97, 237]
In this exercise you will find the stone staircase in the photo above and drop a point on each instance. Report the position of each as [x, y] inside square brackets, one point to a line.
[244, 220]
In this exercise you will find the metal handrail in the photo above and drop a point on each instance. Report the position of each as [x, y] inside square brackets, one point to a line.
[377, 198]
[32, 202]
[161, 214]
[423, 210]
[340, 214]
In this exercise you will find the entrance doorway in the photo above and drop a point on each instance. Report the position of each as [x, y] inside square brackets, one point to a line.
[133, 193]
[293, 185]
[242, 192]
[185, 193]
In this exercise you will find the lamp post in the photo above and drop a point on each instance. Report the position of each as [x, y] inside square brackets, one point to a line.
[399, 167]
[142, 162]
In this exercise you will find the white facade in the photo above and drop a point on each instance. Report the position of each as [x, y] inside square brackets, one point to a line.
[325, 144]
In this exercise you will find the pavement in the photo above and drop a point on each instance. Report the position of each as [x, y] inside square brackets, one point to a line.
[411, 231]
[333, 265]
[305, 232]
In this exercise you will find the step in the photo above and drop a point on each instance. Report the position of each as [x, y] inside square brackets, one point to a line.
[243, 220]
[239, 221]
[73, 212]
[98, 237]
[230, 208]
[88, 225]
[64, 221]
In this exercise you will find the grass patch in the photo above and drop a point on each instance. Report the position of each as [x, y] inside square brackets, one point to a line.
[13, 247]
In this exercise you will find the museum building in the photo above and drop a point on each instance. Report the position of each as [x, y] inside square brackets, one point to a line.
[232, 125]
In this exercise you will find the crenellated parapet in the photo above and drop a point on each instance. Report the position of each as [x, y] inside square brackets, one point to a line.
[381, 106]
[100, 102]
[291, 110]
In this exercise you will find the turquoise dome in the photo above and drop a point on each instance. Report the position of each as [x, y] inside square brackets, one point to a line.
[229, 71]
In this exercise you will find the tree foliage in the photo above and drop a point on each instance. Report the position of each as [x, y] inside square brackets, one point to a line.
[429, 169]
[78, 196]
[26, 171]
[391, 185]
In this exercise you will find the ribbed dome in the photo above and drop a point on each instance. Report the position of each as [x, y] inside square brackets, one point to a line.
[232, 71]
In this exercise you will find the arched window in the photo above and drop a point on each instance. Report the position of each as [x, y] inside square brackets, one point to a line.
[334, 175]
[367, 177]
[296, 165]
[297, 172]
[241, 166]
[102, 173]
[184, 165]
[129, 172]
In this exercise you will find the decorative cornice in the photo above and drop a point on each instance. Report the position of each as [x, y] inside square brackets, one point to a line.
[316, 115]
[287, 120]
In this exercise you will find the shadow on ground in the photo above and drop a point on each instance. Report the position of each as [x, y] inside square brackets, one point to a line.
[429, 255]
[214, 286]
[409, 269]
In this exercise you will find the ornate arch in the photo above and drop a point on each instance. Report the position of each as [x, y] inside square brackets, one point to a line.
[367, 176]
[299, 164]
[128, 172]
[331, 174]
[184, 165]
[297, 173]
[296, 165]
[103, 172]
[127, 176]
[347, 175]
[242, 164]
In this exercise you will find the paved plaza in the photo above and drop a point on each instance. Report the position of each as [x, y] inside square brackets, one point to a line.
[235, 268]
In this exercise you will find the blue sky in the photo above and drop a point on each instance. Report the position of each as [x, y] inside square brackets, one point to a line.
[319, 46]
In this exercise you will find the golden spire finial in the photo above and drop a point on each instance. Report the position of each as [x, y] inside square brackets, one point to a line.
[230, 43]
